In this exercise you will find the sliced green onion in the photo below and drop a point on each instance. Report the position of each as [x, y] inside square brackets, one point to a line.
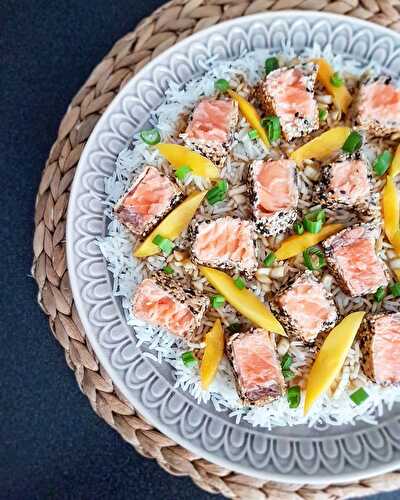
[189, 359]
[313, 258]
[168, 270]
[235, 327]
[287, 374]
[269, 259]
[273, 127]
[359, 396]
[323, 113]
[313, 221]
[217, 301]
[395, 289]
[222, 85]
[150, 136]
[240, 283]
[181, 172]
[286, 362]
[352, 143]
[337, 80]
[271, 64]
[298, 228]
[218, 192]
[294, 396]
[380, 294]
[382, 163]
[164, 244]
[253, 134]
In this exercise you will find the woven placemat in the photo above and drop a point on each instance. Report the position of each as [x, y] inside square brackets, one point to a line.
[169, 24]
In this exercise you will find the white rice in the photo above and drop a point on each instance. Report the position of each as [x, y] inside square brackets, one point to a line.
[335, 408]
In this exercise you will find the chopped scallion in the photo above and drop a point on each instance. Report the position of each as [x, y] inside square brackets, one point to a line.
[164, 244]
[218, 192]
[181, 172]
[380, 294]
[271, 64]
[253, 134]
[313, 221]
[298, 228]
[150, 136]
[189, 359]
[287, 374]
[313, 258]
[269, 259]
[359, 396]
[273, 127]
[221, 85]
[323, 113]
[382, 163]
[168, 270]
[294, 396]
[240, 283]
[217, 301]
[337, 80]
[395, 289]
[286, 361]
[352, 143]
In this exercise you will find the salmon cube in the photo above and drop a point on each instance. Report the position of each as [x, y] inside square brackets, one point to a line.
[305, 308]
[274, 195]
[378, 106]
[288, 93]
[256, 366]
[225, 243]
[162, 302]
[210, 129]
[380, 347]
[352, 259]
[346, 183]
[150, 198]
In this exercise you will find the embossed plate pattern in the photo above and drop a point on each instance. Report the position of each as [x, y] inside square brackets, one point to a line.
[296, 454]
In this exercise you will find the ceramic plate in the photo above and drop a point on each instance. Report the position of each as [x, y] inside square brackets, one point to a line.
[296, 454]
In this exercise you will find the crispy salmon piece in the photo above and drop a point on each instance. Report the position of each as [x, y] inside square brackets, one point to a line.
[380, 347]
[305, 308]
[378, 106]
[288, 93]
[225, 243]
[274, 195]
[162, 302]
[256, 365]
[210, 129]
[150, 198]
[352, 259]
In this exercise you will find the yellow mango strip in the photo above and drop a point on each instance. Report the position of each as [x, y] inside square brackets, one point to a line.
[251, 115]
[395, 166]
[173, 224]
[331, 357]
[341, 96]
[390, 208]
[244, 301]
[297, 243]
[213, 353]
[322, 146]
[178, 156]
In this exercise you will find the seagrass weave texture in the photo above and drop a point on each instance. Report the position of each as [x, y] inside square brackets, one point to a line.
[169, 24]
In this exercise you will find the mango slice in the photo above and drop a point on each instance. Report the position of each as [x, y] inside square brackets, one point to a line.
[390, 208]
[251, 115]
[296, 244]
[331, 357]
[341, 96]
[213, 353]
[395, 166]
[178, 156]
[248, 304]
[173, 224]
[322, 146]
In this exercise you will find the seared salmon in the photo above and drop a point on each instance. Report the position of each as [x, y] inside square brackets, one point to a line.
[274, 195]
[210, 128]
[256, 365]
[305, 308]
[161, 302]
[225, 243]
[150, 198]
[352, 259]
[380, 347]
[288, 93]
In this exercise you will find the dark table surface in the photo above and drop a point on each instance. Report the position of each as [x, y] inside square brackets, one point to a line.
[52, 445]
